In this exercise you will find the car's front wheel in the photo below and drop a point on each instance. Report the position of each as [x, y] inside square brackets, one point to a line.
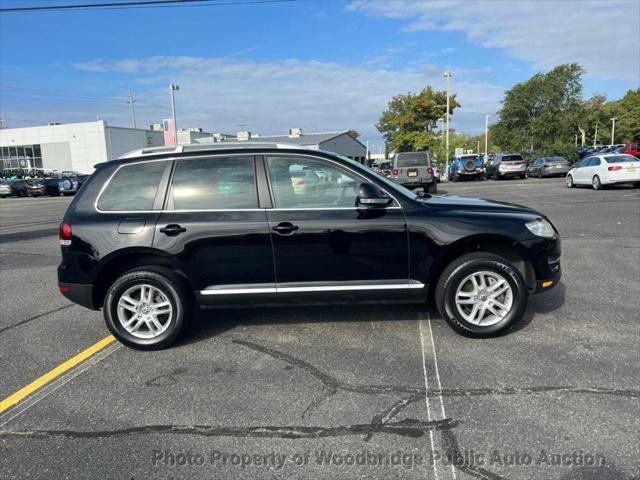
[481, 294]
[146, 309]
[569, 181]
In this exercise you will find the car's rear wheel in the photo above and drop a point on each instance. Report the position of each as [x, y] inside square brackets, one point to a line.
[481, 294]
[596, 183]
[431, 187]
[146, 309]
[569, 181]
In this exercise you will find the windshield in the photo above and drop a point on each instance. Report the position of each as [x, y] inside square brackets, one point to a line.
[469, 157]
[412, 159]
[621, 159]
[555, 160]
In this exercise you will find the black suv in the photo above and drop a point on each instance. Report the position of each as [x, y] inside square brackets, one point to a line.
[153, 235]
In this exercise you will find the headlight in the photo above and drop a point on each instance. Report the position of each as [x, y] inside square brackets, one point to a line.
[541, 228]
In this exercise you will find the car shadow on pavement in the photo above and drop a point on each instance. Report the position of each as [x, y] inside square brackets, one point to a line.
[211, 323]
[543, 303]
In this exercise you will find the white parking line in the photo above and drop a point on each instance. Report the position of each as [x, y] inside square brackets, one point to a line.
[430, 362]
[426, 397]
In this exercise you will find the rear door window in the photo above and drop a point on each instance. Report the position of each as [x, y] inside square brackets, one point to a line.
[218, 183]
[133, 187]
[594, 162]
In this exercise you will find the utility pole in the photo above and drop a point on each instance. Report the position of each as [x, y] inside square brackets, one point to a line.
[131, 101]
[595, 135]
[613, 129]
[447, 75]
[366, 158]
[174, 88]
[486, 136]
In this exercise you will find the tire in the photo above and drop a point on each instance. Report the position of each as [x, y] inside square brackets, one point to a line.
[431, 187]
[173, 324]
[596, 183]
[456, 276]
[569, 182]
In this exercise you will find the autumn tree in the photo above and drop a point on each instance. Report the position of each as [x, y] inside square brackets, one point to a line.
[409, 121]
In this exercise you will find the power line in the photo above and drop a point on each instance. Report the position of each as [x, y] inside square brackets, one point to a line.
[138, 4]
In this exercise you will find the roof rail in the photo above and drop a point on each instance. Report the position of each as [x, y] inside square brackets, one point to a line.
[209, 147]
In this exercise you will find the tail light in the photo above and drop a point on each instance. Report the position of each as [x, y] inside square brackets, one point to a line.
[430, 171]
[394, 171]
[65, 234]
[613, 168]
[300, 183]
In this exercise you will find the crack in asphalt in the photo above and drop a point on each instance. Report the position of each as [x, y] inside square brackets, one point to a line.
[405, 428]
[332, 383]
[35, 317]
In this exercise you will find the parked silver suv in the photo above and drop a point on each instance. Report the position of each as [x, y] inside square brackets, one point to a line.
[412, 170]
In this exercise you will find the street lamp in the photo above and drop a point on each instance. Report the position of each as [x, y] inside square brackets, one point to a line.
[447, 74]
[174, 88]
[613, 129]
[486, 136]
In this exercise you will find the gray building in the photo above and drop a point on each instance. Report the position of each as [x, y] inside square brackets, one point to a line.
[340, 143]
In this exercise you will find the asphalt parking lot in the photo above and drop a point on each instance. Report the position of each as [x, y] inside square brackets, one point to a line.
[336, 392]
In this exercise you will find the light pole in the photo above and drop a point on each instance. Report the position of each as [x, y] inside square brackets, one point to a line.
[486, 136]
[447, 75]
[131, 101]
[174, 88]
[613, 129]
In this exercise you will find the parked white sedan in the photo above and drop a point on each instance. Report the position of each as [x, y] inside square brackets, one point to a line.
[608, 169]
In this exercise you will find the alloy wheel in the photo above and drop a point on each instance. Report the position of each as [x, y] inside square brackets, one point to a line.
[144, 311]
[484, 298]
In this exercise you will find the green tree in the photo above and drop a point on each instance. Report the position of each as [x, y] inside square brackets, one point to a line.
[409, 121]
[542, 114]
[627, 113]
[353, 133]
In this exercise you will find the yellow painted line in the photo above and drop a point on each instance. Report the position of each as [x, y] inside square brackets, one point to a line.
[40, 382]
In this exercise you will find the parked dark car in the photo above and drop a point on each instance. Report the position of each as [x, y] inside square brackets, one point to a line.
[548, 167]
[13, 188]
[507, 165]
[151, 236]
[414, 170]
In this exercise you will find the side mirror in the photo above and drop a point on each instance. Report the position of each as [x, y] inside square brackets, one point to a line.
[370, 195]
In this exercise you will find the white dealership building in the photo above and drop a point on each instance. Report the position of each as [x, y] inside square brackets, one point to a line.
[71, 147]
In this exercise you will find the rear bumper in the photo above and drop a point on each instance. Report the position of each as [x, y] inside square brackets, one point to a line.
[79, 293]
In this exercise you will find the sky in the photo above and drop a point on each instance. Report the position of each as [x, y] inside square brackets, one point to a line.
[320, 65]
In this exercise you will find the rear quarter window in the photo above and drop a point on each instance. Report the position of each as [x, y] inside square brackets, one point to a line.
[133, 187]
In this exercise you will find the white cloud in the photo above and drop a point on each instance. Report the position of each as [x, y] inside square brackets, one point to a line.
[602, 36]
[272, 96]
